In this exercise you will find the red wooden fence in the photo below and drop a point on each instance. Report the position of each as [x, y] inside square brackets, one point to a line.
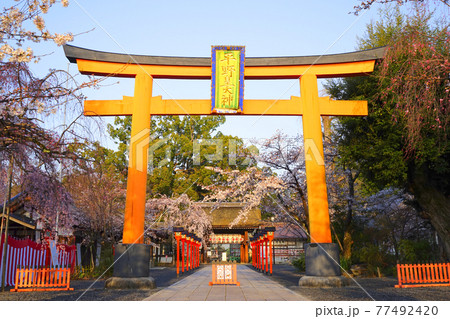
[45, 279]
[29, 254]
[423, 275]
[67, 256]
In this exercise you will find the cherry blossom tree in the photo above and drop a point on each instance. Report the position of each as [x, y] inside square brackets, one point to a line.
[367, 4]
[44, 194]
[27, 110]
[22, 23]
[285, 156]
[98, 192]
[414, 74]
[249, 187]
[32, 135]
[279, 189]
[178, 211]
[392, 220]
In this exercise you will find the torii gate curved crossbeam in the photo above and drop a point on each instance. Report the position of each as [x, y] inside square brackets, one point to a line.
[142, 105]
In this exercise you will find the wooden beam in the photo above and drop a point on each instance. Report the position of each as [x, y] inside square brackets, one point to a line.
[320, 70]
[204, 72]
[130, 70]
[342, 107]
[292, 107]
[18, 221]
[108, 107]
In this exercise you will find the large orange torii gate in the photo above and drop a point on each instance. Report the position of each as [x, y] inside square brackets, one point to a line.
[143, 105]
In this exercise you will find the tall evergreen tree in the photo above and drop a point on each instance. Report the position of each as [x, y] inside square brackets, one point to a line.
[403, 142]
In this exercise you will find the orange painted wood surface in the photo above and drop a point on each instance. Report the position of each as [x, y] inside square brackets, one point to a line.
[423, 275]
[45, 279]
[224, 274]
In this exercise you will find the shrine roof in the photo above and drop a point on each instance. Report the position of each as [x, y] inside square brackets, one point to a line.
[73, 53]
[285, 231]
[239, 227]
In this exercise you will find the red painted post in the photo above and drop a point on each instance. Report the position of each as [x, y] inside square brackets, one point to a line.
[177, 232]
[194, 258]
[258, 247]
[254, 256]
[266, 242]
[188, 254]
[270, 236]
[195, 254]
[251, 249]
[266, 246]
[270, 255]
[192, 254]
[257, 254]
[263, 254]
[260, 254]
[198, 254]
[178, 257]
[182, 252]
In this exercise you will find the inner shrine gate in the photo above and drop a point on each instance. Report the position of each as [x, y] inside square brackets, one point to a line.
[143, 105]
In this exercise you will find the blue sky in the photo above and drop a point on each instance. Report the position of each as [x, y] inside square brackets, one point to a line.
[189, 28]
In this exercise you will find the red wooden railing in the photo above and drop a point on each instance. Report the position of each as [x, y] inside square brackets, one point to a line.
[423, 275]
[45, 279]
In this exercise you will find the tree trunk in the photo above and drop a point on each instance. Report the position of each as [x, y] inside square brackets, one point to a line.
[435, 205]
[348, 242]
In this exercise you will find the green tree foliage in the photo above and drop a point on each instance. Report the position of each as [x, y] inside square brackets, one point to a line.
[403, 142]
[179, 149]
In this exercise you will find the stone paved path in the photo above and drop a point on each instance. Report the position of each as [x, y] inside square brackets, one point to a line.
[253, 287]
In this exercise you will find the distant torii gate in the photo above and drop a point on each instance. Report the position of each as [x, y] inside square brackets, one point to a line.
[143, 105]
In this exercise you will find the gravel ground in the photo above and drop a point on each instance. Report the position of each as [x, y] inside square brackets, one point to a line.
[164, 277]
[380, 289]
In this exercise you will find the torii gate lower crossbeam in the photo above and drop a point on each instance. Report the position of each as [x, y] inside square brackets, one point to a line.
[309, 105]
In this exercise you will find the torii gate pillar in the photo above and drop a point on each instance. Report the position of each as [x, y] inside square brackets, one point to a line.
[314, 161]
[133, 227]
